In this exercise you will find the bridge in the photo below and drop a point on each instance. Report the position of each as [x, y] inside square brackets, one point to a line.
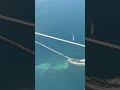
[109, 45]
[17, 45]
[17, 21]
[59, 39]
[102, 84]
[71, 60]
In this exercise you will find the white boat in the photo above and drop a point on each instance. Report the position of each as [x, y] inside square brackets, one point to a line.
[76, 61]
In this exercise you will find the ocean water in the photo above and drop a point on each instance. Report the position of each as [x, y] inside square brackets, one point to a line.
[59, 18]
[106, 29]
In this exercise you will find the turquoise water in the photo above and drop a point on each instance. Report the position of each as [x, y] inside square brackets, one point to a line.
[59, 18]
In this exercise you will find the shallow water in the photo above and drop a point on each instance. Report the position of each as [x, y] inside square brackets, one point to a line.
[60, 19]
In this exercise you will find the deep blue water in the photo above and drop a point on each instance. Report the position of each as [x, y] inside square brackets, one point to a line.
[106, 28]
[59, 18]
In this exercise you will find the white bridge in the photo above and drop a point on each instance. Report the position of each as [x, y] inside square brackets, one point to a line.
[33, 25]
[69, 59]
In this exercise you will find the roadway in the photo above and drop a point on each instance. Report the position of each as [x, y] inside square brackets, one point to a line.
[87, 38]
